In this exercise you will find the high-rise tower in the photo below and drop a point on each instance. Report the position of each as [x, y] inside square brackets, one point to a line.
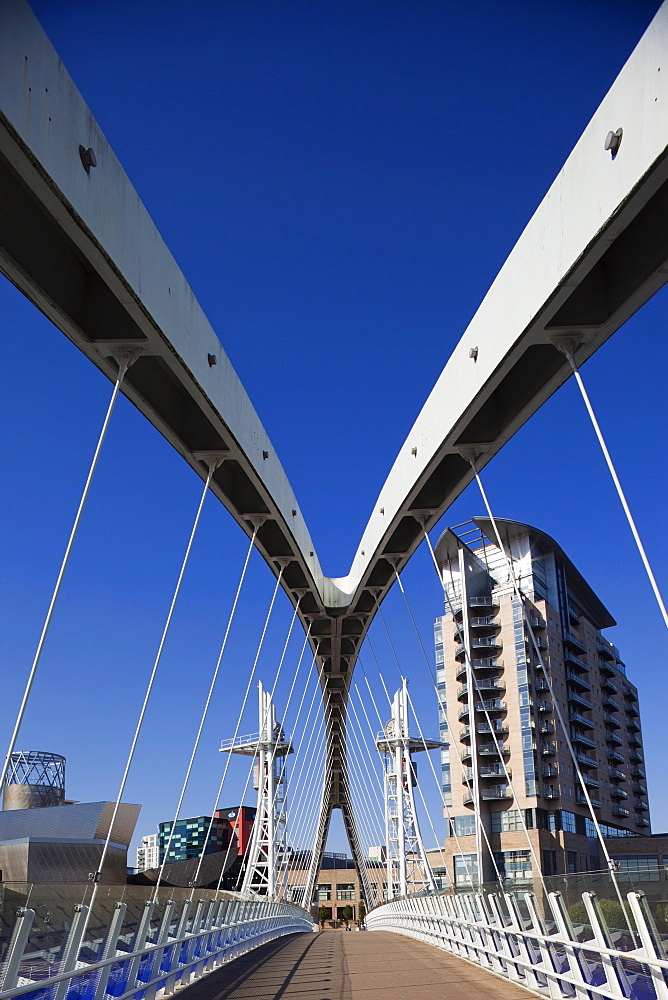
[500, 710]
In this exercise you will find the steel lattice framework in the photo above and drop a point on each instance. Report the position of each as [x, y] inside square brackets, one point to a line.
[77, 241]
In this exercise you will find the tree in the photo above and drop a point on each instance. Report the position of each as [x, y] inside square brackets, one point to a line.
[347, 914]
[323, 914]
[361, 911]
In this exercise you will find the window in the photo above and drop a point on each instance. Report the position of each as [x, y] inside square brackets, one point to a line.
[324, 891]
[502, 822]
[550, 863]
[568, 822]
[466, 869]
[464, 826]
[639, 867]
[514, 864]
[571, 862]
[345, 890]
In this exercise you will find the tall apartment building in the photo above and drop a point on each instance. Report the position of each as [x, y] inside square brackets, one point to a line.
[500, 690]
[148, 853]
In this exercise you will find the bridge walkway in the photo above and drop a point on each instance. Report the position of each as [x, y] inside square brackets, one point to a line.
[335, 965]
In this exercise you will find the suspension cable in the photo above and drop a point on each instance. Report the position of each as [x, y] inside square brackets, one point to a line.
[236, 730]
[618, 485]
[205, 711]
[123, 367]
[213, 463]
[557, 709]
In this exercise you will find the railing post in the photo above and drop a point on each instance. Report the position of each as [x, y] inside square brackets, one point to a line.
[72, 948]
[17, 945]
[565, 928]
[547, 968]
[141, 938]
[157, 956]
[110, 948]
[650, 940]
[517, 925]
[603, 940]
[510, 969]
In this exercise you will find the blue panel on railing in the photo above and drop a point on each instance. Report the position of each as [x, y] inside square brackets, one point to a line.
[118, 978]
[167, 959]
[83, 987]
[183, 953]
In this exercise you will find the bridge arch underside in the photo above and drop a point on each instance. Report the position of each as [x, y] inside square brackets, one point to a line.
[82, 247]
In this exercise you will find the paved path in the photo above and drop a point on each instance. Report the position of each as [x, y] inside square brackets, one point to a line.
[372, 965]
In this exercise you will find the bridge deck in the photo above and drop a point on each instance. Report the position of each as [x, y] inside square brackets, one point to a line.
[351, 966]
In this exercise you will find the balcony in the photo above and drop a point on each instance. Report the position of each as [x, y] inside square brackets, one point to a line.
[634, 740]
[585, 761]
[633, 726]
[547, 749]
[494, 792]
[608, 686]
[632, 711]
[483, 684]
[550, 793]
[615, 774]
[604, 648]
[583, 740]
[636, 758]
[483, 601]
[496, 727]
[482, 624]
[614, 756]
[581, 800]
[607, 669]
[576, 679]
[489, 750]
[610, 704]
[581, 720]
[489, 705]
[488, 771]
[637, 772]
[549, 770]
[630, 695]
[486, 663]
[541, 685]
[539, 641]
[620, 811]
[618, 793]
[546, 728]
[641, 821]
[577, 699]
[576, 662]
[536, 622]
[545, 706]
[612, 739]
[591, 782]
[574, 642]
[486, 642]
[611, 720]
[573, 615]
[638, 788]
[641, 806]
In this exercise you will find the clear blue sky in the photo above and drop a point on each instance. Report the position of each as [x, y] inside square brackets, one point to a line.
[340, 183]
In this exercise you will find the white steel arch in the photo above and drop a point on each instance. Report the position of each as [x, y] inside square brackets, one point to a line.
[76, 239]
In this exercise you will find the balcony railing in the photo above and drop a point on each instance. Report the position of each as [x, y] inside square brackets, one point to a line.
[550, 793]
[608, 685]
[487, 621]
[611, 704]
[490, 793]
[546, 728]
[620, 811]
[614, 756]
[633, 726]
[574, 641]
[613, 738]
[583, 740]
[541, 685]
[581, 720]
[603, 648]
[548, 749]
[586, 761]
[544, 706]
[638, 787]
[575, 678]
[575, 660]
[618, 793]
[611, 720]
[549, 770]
[642, 821]
[577, 699]
[483, 601]
[641, 806]
[489, 750]
[591, 782]
[615, 774]
[581, 800]
[634, 740]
